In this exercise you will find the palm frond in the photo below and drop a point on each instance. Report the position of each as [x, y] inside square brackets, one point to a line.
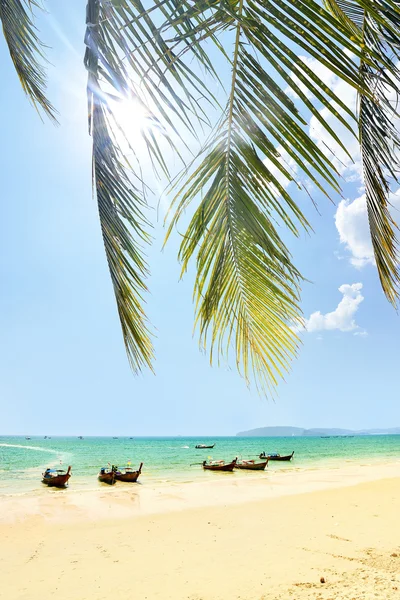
[247, 287]
[120, 203]
[380, 152]
[348, 12]
[377, 125]
[26, 51]
[128, 59]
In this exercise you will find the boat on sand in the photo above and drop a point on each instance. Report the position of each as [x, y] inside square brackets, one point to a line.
[251, 465]
[56, 477]
[219, 465]
[128, 474]
[107, 475]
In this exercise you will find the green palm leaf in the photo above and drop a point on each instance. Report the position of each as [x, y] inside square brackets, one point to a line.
[128, 60]
[378, 134]
[247, 289]
[26, 51]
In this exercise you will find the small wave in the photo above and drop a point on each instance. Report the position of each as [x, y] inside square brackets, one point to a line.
[34, 448]
[185, 446]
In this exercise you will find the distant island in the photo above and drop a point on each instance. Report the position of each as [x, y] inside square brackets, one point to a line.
[299, 432]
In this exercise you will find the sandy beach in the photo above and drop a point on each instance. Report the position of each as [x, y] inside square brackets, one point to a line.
[160, 544]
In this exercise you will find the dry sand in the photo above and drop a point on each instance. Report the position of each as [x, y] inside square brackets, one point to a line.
[270, 547]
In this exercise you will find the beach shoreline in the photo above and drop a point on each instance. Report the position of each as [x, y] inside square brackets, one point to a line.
[275, 547]
[126, 500]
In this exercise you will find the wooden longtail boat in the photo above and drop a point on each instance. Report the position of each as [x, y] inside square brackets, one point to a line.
[277, 456]
[56, 477]
[128, 474]
[251, 465]
[107, 475]
[219, 465]
[203, 446]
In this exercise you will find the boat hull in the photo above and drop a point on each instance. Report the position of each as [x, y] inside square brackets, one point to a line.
[57, 481]
[202, 447]
[108, 478]
[279, 458]
[130, 477]
[252, 466]
[225, 467]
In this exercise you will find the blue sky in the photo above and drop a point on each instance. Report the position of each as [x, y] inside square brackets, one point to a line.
[63, 368]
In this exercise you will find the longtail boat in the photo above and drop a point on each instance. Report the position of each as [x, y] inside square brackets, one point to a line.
[107, 475]
[219, 465]
[56, 477]
[203, 446]
[277, 456]
[251, 465]
[128, 474]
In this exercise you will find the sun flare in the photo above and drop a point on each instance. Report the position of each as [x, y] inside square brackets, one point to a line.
[132, 120]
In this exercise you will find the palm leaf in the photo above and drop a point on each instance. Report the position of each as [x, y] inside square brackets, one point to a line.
[247, 288]
[378, 135]
[26, 51]
[128, 59]
[380, 152]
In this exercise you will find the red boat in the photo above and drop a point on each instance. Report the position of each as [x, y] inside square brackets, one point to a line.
[56, 477]
[219, 465]
[128, 474]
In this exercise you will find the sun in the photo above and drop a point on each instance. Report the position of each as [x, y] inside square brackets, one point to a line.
[131, 122]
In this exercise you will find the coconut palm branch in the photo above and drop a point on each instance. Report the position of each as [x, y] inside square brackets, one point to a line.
[26, 51]
[247, 287]
[378, 122]
[128, 60]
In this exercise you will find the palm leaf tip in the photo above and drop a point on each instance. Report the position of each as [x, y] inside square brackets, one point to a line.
[26, 51]
[247, 289]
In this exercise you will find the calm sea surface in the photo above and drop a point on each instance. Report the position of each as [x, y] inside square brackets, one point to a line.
[169, 459]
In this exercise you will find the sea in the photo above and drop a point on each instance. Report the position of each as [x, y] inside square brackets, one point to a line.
[175, 459]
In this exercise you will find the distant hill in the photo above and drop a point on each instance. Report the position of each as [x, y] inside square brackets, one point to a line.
[282, 431]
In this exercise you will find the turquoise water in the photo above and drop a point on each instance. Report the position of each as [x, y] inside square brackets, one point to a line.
[169, 459]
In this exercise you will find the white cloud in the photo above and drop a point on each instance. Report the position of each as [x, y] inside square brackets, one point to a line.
[348, 166]
[288, 163]
[351, 221]
[342, 318]
[325, 74]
